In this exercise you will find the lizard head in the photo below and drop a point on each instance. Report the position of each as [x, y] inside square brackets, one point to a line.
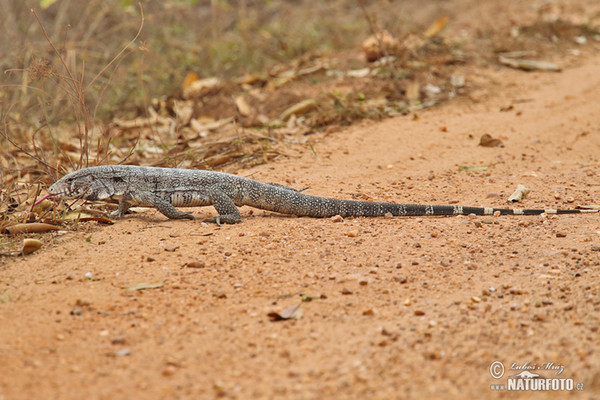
[78, 184]
[71, 185]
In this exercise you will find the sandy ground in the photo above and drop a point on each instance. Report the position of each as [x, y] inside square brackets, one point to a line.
[401, 307]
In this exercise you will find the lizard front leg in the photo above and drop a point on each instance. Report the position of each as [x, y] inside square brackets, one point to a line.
[124, 205]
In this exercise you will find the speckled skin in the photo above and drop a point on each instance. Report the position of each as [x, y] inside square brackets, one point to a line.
[167, 188]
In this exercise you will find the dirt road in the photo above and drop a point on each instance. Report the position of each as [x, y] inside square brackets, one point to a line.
[401, 307]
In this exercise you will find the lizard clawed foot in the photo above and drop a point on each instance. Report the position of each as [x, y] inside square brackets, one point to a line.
[223, 219]
[188, 215]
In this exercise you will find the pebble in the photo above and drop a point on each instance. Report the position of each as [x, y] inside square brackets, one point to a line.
[122, 352]
[195, 264]
[369, 312]
[561, 234]
[169, 370]
[400, 279]
[76, 310]
[346, 291]
[171, 248]
[407, 302]
[475, 299]
[118, 340]
[337, 218]
[419, 312]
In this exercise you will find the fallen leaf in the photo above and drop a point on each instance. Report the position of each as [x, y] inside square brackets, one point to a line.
[436, 27]
[520, 192]
[35, 227]
[299, 109]
[31, 245]
[243, 107]
[291, 312]
[143, 286]
[488, 141]
[473, 168]
[529, 65]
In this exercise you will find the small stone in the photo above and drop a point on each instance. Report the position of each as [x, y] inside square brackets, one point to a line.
[237, 286]
[419, 312]
[122, 353]
[561, 234]
[457, 81]
[149, 259]
[169, 370]
[76, 310]
[219, 294]
[337, 218]
[400, 279]
[118, 340]
[369, 312]
[407, 302]
[195, 264]
[475, 299]
[570, 199]
[352, 233]
[171, 248]
[346, 291]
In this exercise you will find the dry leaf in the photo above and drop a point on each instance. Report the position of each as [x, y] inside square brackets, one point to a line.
[202, 87]
[519, 194]
[298, 109]
[436, 27]
[488, 141]
[291, 312]
[372, 46]
[31, 245]
[143, 286]
[35, 227]
[529, 65]
[243, 107]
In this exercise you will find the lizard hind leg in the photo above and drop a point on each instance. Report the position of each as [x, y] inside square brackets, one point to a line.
[228, 212]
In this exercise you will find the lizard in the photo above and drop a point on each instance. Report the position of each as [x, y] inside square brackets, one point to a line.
[167, 188]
